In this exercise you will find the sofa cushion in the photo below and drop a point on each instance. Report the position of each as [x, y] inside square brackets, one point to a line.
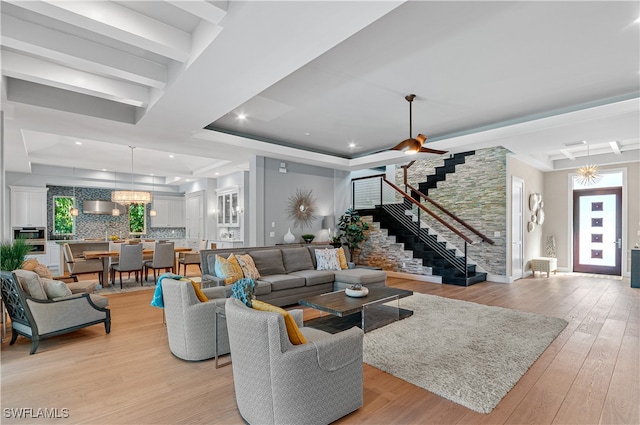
[327, 259]
[262, 287]
[295, 259]
[283, 281]
[361, 276]
[268, 261]
[55, 288]
[248, 266]
[293, 331]
[315, 277]
[31, 284]
[82, 287]
[228, 269]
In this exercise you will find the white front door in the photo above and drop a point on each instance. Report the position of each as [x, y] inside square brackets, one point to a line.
[517, 228]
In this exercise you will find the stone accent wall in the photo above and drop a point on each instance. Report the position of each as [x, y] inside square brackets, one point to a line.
[476, 192]
[382, 250]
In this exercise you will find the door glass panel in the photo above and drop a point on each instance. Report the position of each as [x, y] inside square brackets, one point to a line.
[598, 230]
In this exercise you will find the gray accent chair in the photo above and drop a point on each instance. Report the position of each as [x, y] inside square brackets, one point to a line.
[277, 382]
[164, 257]
[190, 329]
[38, 318]
[77, 265]
[130, 261]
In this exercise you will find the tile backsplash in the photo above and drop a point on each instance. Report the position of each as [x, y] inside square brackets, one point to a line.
[100, 226]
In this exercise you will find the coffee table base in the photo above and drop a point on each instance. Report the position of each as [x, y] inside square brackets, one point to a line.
[335, 324]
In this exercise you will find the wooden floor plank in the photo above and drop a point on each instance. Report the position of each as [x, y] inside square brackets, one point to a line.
[131, 377]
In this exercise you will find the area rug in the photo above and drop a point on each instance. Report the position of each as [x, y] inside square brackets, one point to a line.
[128, 285]
[465, 352]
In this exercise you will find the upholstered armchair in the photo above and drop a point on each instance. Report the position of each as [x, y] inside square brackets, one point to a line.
[277, 382]
[190, 322]
[193, 257]
[42, 308]
[77, 266]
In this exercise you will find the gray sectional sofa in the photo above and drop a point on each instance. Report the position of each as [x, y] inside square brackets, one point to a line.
[288, 273]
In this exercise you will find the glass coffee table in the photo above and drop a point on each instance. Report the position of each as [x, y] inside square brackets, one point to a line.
[378, 308]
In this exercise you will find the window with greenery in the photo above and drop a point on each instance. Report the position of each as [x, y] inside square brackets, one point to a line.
[63, 222]
[137, 219]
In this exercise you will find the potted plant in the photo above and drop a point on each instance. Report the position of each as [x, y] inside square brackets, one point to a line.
[336, 241]
[353, 230]
[308, 237]
[12, 254]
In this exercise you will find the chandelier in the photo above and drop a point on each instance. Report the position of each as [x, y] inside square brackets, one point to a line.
[589, 173]
[127, 197]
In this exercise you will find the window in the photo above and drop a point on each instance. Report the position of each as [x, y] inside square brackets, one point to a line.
[137, 219]
[63, 222]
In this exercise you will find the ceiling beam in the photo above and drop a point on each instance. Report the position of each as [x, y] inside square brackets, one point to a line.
[202, 9]
[80, 53]
[567, 154]
[118, 22]
[38, 71]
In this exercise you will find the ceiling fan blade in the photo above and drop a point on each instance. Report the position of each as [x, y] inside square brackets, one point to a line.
[435, 151]
[421, 138]
[402, 145]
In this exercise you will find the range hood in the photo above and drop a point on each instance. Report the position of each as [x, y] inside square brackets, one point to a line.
[102, 207]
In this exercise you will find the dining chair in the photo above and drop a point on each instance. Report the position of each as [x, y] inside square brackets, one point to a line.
[130, 261]
[163, 258]
[192, 257]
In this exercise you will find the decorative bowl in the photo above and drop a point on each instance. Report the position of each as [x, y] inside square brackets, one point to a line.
[357, 293]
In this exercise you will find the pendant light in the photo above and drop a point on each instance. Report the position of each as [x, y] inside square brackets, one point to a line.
[127, 197]
[115, 211]
[588, 174]
[73, 210]
[152, 211]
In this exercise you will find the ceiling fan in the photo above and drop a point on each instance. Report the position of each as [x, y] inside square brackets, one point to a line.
[412, 146]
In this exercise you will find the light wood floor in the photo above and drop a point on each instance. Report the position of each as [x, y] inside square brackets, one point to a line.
[590, 374]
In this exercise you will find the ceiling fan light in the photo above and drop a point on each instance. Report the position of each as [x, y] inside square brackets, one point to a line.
[152, 213]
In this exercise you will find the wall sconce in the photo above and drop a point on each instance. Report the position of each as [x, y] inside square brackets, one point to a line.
[239, 210]
[283, 168]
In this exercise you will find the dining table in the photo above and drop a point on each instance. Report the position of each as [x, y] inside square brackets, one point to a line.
[106, 255]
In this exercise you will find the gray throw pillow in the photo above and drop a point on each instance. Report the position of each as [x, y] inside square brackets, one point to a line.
[296, 259]
[31, 284]
[55, 288]
[268, 261]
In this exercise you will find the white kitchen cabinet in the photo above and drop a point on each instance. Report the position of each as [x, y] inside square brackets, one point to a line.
[194, 222]
[228, 244]
[228, 211]
[28, 206]
[53, 258]
[169, 212]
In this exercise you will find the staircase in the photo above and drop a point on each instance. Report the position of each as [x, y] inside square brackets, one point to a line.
[441, 172]
[403, 220]
[436, 255]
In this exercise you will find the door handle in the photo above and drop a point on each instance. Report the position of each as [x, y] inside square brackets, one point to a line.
[619, 242]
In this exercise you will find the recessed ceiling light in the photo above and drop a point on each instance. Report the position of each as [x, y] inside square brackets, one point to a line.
[78, 143]
[217, 174]
[188, 180]
[171, 156]
[104, 169]
[306, 133]
[242, 117]
[352, 145]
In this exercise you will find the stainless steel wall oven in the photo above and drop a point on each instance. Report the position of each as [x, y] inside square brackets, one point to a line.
[34, 236]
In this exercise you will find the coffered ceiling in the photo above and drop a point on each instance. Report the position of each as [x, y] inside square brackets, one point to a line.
[317, 82]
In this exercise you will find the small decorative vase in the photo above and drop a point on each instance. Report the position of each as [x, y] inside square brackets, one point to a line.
[356, 291]
[289, 238]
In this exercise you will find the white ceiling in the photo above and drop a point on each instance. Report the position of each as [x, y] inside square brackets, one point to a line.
[313, 77]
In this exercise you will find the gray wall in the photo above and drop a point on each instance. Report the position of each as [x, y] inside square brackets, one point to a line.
[277, 187]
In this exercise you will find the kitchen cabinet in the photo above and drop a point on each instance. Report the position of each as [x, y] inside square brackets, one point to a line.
[228, 210]
[229, 244]
[194, 222]
[169, 212]
[53, 258]
[28, 206]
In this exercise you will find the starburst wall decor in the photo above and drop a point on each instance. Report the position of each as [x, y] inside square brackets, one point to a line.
[302, 208]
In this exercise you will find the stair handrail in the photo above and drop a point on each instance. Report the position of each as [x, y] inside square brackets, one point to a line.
[443, 209]
[425, 209]
[452, 215]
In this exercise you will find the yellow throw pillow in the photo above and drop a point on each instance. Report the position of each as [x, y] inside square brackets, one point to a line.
[295, 336]
[248, 267]
[201, 296]
[228, 269]
[342, 259]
